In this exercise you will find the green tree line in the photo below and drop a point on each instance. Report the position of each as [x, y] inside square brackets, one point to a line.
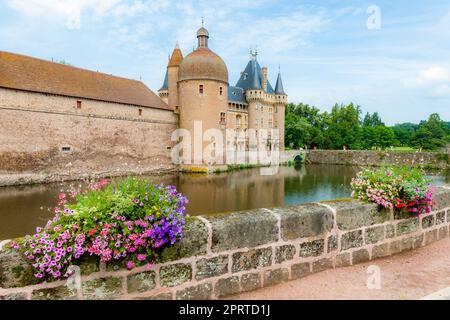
[345, 127]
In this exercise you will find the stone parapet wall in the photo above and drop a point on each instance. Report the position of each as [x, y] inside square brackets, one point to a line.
[226, 254]
[377, 158]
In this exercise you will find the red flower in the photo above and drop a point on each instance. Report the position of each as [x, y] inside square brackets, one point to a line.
[91, 232]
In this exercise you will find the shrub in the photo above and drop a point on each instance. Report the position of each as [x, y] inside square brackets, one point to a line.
[130, 221]
[401, 188]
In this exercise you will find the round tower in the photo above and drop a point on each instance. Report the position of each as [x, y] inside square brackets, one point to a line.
[203, 97]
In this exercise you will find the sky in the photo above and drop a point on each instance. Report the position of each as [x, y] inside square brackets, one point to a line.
[392, 57]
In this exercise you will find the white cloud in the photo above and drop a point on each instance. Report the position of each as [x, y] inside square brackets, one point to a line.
[433, 75]
[71, 12]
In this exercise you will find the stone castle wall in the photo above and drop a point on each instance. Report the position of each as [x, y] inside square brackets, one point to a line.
[378, 158]
[226, 254]
[104, 138]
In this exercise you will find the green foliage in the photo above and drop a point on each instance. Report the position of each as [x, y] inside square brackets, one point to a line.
[307, 127]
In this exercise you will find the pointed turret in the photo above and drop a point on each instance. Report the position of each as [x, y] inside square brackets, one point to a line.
[165, 85]
[172, 77]
[176, 58]
[279, 86]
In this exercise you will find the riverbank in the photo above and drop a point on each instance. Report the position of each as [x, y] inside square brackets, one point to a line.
[33, 178]
[426, 160]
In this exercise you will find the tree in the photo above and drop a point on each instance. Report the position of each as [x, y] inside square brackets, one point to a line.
[343, 127]
[431, 134]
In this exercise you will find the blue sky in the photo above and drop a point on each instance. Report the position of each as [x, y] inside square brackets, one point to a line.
[326, 50]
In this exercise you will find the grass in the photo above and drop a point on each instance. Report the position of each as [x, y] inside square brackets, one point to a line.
[402, 149]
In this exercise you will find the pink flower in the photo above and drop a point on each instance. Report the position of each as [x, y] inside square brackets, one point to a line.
[130, 265]
[141, 257]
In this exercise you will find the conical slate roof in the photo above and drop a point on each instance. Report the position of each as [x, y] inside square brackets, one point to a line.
[165, 85]
[279, 86]
[251, 78]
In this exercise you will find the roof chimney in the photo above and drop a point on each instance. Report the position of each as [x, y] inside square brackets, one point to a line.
[264, 78]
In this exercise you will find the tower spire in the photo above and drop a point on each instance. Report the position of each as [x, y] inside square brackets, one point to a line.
[202, 36]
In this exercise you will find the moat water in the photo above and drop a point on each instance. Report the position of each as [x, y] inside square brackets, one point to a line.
[25, 207]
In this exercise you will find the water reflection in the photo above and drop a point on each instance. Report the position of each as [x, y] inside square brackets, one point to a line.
[23, 208]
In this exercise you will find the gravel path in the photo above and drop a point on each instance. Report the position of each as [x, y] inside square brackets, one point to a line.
[411, 275]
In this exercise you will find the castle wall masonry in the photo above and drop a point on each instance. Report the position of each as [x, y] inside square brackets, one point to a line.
[67, 138]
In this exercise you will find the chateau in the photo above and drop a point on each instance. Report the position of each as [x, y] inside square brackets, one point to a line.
[197, 88]
[58, 121]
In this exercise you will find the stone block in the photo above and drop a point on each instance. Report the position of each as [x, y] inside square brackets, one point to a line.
[227, 287]
[390, 231]
[199, 292]
[395, 247]
[440, 217]
[360, 256]
[161, 296]
[194, 242]
[250, 282]
[380, 251]
[141, 282]
[300, 270]
[322, 265]
[211, 267]
[332, 244]
[14, 296]
[431, 236]
[15, 270]
[374, 234]
[243, 229]
[312, 249]
[428, 221]
[273, 277]
[343, 260]
[418, 241]
[352, 239]
[407, 226]
[443, 233]
[57, 293]
[175, 274]
[284, 253]
[102, 289]
[441, 199]
[252, 259]
[304, 221]
[355, 214]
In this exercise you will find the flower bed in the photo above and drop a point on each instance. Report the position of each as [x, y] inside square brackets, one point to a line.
[129, 222]
[400, 188]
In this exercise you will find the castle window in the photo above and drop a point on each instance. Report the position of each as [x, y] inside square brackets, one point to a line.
[140, 112]
[221, 90]
[200, 89]
[78, 104]
[222, 118]
[65, 149]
